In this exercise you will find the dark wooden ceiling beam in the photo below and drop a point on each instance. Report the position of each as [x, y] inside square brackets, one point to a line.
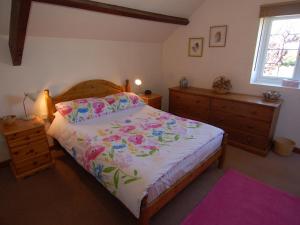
[20, 10]
[118, 10]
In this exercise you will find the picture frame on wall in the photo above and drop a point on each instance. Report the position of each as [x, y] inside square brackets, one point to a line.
[217, 36]
[195, 48]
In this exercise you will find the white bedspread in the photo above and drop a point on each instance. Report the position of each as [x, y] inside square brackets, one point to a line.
[129, 151]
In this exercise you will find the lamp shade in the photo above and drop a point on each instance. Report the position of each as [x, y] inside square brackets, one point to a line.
[31, 96]
[138, 82]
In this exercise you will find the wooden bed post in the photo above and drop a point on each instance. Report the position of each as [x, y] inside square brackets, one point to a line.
[127, 86]
[144, 217]
[224, 145]
[49, 104]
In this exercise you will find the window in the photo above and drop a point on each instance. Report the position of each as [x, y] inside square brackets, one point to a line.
[278, 51]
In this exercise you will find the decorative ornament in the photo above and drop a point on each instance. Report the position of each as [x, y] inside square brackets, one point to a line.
[222, 85]
[183, 83]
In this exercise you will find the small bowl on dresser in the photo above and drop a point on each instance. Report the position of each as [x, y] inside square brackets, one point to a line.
[271, 96]
[8, 120]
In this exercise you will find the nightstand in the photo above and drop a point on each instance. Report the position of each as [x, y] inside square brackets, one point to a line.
[28, 147]
[153, 100]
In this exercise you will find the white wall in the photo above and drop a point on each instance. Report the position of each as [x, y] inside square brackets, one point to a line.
[234, 61]
[59, 63]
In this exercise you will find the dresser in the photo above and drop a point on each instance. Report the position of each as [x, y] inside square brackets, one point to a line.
[249, 120]
[28, 147]
[153, 100]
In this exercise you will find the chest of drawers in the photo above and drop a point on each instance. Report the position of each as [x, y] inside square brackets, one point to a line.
[249, 121]
[28, 147]
[153, 100]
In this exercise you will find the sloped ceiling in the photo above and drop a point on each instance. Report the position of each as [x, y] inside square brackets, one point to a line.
[59, 21]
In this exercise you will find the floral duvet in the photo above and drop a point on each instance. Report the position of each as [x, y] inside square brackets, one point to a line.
[128, 151]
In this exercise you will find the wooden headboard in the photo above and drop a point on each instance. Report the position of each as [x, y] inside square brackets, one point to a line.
[85, 89]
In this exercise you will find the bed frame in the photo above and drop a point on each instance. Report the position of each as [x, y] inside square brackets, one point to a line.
[101, 88]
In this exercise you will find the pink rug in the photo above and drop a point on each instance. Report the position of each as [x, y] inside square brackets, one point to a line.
[240, 200]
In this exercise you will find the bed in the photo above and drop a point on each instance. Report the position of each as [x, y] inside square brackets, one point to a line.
[178, 149]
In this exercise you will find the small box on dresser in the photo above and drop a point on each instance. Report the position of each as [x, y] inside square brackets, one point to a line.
[28, 147]
[249, 121]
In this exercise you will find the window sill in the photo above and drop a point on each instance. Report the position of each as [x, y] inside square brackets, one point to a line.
[260, 83]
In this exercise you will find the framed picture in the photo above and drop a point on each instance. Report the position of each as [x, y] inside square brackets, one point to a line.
[196, 47]
[217, 36]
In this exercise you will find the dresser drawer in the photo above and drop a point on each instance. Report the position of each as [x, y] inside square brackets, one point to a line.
[29, 150]
[258, 142]
[26, 137]
[27, 165]
[201, 115]
[253, 126]
[189, 102]
[247, 110]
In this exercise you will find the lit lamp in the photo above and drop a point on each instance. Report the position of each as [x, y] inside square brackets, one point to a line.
[32, 97]
[138, 83]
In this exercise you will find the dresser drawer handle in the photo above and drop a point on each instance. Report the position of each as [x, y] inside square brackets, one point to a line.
[35, 163]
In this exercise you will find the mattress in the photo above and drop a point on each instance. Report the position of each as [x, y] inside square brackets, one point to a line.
[172, 161]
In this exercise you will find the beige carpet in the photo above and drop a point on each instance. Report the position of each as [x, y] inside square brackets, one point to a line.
[66, 195]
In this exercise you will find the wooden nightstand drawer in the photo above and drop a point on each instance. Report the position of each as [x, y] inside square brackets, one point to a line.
[153, 100]
[30, 150]
[156, 103]
[25, 138]
[34, 163]
[20, 135]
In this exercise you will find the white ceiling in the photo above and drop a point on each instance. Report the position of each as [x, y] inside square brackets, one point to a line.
[59, 21]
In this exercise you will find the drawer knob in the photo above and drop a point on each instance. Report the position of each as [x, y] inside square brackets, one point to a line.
[34, 163]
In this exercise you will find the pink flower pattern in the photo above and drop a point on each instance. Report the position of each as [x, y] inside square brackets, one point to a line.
[112, 138]
[98, 107]
[127, 128]
[136, 139]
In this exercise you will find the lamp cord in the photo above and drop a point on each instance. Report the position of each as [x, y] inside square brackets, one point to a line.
[24, 105]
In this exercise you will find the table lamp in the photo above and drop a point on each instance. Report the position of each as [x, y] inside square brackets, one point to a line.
[138, 83]
[32, 97]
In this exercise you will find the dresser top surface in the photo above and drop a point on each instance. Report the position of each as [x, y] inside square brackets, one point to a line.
[231, 96]
[20, 126]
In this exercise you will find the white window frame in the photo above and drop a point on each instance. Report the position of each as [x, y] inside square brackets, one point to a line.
[261, 53]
